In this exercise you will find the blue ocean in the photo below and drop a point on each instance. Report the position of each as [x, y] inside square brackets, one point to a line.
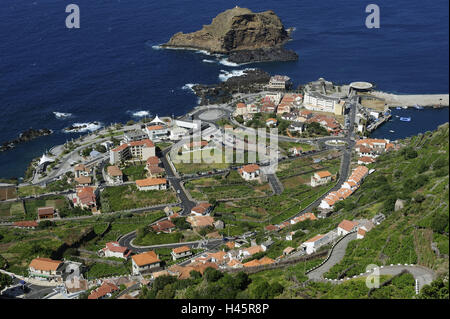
[111, 70]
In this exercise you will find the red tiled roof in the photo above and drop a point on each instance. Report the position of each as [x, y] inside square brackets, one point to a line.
[26, 223]
[347, 225]
[153, 160]
[146, 258]
[115, 247]
[250, 168]
[181, 249]
[150, 182]
[114, 171]
[45, 264]
[86, 195]
[42, 211]
[314, 239]
[163, 225]
[103, 290]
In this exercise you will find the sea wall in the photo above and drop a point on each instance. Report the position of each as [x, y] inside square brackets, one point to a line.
[436, 100]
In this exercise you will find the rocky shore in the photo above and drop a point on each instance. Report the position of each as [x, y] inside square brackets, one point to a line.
[263, 55]
[25, 136]
[252, 81]
[242, 34]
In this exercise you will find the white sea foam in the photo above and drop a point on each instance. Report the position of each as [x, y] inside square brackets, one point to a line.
[189, 87]
[61, 115]
[156, 47]
[141, 113]
[209, 61]
[225, 75]
[227, 63]
[84, 127]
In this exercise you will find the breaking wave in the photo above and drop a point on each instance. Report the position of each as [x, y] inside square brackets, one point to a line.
[61, 115]
[141, 113]
[225, 75]
[189, 87]
[83, 127]
[227, 63]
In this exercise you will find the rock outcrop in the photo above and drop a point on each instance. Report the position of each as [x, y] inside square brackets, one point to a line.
[25, 136]
[239, 29]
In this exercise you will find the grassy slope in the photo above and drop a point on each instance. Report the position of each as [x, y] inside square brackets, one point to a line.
[406, 235]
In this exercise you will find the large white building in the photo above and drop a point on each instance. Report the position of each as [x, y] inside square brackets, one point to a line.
[315, 101]
[279, 82]
[136, 150]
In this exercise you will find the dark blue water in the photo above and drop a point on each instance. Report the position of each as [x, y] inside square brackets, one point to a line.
[421, 121]
[107, 70]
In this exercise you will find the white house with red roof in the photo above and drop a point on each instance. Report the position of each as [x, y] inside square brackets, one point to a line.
[85, 197]
[113, 249]
[320, 178]
[250, 172]
[346, 227]
[181, 252]
[201, 209]
[313, 244]
[365, 160]
[361, 233]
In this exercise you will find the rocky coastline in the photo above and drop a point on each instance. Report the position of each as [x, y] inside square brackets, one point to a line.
[252, 81]
[263, 55]
[25, 136]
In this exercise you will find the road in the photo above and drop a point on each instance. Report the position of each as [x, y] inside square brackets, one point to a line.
[175, 181]
[335, 257]
[423, 275]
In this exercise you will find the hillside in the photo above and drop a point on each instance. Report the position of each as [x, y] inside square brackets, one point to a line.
[416, 233]
[416, 174]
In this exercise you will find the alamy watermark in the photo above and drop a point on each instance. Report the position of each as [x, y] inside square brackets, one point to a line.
[230, 146]
[373, 279]
[73, 19]
[373, 19]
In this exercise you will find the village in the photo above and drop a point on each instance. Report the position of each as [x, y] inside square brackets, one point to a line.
[134, 172]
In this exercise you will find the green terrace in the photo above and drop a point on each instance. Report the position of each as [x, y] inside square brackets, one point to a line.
[125, 197]
[20, 246]
[230, 186]
[418, 175]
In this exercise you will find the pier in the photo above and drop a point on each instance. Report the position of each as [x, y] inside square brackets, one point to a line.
[375, 125]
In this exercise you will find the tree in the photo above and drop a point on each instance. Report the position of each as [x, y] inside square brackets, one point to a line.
[100, 148]
[168, 292]
[130, 122]
[241, 281]
[141, 232]
[438, 289]
[439, 223]
[85, 152]
[5, 281]
[45, 224]
[212, 275]
[181, 223]
[194, 274]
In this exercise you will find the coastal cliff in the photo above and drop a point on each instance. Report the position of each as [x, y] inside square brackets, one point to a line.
[245, 35]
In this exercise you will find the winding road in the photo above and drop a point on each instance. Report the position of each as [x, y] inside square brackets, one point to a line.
[422, 275]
